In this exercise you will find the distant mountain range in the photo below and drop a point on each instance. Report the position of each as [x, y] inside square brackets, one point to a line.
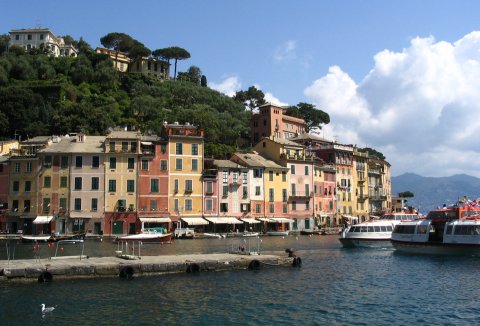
[433, 192]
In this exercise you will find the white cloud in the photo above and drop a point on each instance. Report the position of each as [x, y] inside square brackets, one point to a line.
[286, 51]
[272, 99]
[420, 106]
[228, 86]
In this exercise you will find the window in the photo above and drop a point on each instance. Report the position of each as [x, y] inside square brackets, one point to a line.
[258, 208]
[15, 205]
[223, 207]
[163, 165]
[47, 182]
[112, 146]
[209, 205]
[225, 191]
[188, 186]
[163, 148]
[284, 195]
[244, 177]
[270, 175]
[46, 205]
[257, 191]
[178, 164]
[112, 185]
[257, 173]
[124, 146]
[194, 164]
[16, 186]
[271, 193]
[307, 190]
[78, 183]
[284, 176]
[133, 147]
[26, 205]
[153, 205]
[144, 164]
[188, 205]
[63, 182]
[41, 36]
[63, 203]
[245, 191]
[225, 176]
[28, 167]
[130, 185]
[154, 185]
[17, 168]
[209, 187]
[179, 148]
[28, 186]
[294, 205]
[272, 208]
[306, 170]
[95, 183]
[175, 185]
[131, 163]
[307, 206]
[94, 206]
[294, 189]
[285, 208]
[95, 161]
[194, 149]
[78, 162]
[77, 204]
[175, 205]
[64, 162]
[292, 169]
[113, 162]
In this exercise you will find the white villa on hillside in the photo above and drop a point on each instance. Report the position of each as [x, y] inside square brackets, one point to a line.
[34, 38]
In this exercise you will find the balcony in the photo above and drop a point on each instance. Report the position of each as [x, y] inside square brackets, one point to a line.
[375, 171]
[362, 197]
[300, 194]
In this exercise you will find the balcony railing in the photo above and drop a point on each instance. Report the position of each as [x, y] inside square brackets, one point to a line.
[300, 194]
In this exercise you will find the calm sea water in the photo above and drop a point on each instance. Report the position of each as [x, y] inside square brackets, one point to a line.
[334, 286]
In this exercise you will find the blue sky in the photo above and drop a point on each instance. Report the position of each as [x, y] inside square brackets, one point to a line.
[391, 74]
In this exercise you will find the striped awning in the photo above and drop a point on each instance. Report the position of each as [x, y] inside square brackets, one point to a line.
[155, 219]
[194, 220]
[42, 219]
[250, 220]
[224, 220]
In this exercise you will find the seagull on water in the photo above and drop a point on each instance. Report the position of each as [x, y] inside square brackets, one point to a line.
[46, 309]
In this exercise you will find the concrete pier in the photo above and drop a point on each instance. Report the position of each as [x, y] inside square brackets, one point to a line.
[47, 270]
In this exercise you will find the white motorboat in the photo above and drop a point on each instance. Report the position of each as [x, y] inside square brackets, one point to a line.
[278, 233]
[374, 233]
[153, 237]
[451, 231]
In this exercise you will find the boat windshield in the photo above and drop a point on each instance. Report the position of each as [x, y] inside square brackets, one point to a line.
[376, 228]
[399, 217]
[442, 215]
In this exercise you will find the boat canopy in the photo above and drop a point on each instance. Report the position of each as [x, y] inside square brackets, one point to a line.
[250, 220]
[42, 219]
[194, 220]
[155, 219]
[224, 220]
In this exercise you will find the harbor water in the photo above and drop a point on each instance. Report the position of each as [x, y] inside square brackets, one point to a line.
[334, 286]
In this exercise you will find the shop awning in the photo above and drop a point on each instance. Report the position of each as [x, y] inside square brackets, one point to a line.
[264, 219]
[250, 220]
[42, 219]
[147, 143]
[155, 219]
[351, 218]
[224, 220]
[280, 220]
[194, 221]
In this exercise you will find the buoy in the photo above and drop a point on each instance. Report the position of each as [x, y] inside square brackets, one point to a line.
[254, 265]
[297, 262]
[193, 268]
[126, 273]
[45, 277]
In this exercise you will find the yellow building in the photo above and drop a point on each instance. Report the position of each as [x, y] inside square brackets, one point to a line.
[185, 145]
[7, 146]
[121, 164]
[360, 185]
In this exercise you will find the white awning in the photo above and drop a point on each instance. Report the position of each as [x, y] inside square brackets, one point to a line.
[194, 221]
[147, 143]
[264, 219]
[155, 219]
[224, 220]
[352, 218]
[250, 220]
[42, 219]
[280, 220]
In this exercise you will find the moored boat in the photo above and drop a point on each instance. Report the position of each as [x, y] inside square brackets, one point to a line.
[152, 235]
[278, 233]
[375, 232]
[450, 231]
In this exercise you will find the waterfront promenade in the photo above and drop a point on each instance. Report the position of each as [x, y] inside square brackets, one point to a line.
[128, 266]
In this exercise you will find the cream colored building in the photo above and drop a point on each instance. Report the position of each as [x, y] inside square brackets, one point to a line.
[36, 38]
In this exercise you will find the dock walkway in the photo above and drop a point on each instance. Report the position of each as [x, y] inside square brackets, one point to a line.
[45, 270]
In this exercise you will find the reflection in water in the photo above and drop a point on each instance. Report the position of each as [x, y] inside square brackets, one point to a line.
[333, 286]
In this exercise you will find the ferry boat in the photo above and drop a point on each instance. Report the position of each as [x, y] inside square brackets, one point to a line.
[453, 230]
[375, 232]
